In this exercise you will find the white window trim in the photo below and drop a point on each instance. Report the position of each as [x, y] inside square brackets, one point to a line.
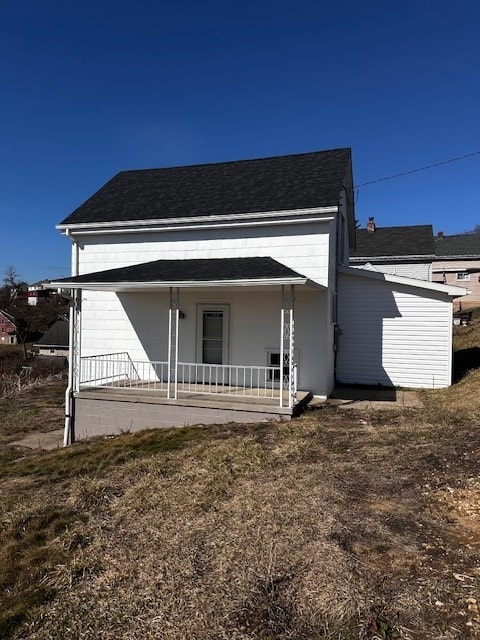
[466, 277]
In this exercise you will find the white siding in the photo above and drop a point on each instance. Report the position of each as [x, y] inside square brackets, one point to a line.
[393, 335]
[138, 323]
[416, 270]
[302, 247]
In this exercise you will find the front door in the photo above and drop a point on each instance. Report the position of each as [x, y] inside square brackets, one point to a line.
[212, 333]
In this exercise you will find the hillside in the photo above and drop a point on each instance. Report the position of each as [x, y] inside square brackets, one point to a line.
[341, 524]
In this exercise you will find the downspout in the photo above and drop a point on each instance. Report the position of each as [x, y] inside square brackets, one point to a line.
[334, 298]
[339, 239]
[69, 400]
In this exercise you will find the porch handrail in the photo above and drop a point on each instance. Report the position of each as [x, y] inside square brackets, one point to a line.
[119, 370]
[229, 379]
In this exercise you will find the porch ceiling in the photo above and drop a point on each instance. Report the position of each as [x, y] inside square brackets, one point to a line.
[198, 273]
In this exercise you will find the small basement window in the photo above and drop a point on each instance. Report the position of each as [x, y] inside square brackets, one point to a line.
[463, 275]
[274, 361]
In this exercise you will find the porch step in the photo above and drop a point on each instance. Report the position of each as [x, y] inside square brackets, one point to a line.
[302, 402]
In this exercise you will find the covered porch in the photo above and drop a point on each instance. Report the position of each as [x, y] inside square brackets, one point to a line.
[226, 343]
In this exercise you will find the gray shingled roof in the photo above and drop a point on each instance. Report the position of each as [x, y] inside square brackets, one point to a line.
[456, 246]
[200, 270]
[56, 336]
[280, 183]
[395, 241]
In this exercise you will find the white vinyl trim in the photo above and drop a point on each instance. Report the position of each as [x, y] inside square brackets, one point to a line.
[148, 286]
[407, 258]
[411, 282]
[178, 221]
[227, 225]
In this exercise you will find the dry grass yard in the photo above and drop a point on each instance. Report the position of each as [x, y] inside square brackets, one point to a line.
[346, 525]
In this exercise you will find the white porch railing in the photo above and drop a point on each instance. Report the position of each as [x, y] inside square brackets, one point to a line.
[118, 370]
[229, 379]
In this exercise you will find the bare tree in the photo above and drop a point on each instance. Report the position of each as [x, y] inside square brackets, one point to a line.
[30, 320]
[11, 287]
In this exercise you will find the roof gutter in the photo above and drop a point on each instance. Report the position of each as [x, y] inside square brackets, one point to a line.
[458, 257]
[425, 257]
[192, 227]
[175, 222]
[184, 284]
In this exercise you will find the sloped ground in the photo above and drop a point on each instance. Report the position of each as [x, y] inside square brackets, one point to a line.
[358, 524]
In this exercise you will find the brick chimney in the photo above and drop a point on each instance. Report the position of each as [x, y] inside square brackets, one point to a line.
[440, 234]
[371, 225]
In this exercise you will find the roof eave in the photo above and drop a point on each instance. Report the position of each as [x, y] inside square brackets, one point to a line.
[458, 256]
[450, 290]
[406, 258]
[130, 287]
[196, 220]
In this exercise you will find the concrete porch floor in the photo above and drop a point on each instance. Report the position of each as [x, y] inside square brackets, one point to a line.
[226, 401]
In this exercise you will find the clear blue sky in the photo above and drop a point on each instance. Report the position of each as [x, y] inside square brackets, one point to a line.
[91, 88]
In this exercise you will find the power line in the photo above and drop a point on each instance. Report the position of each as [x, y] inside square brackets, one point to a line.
[429, 166]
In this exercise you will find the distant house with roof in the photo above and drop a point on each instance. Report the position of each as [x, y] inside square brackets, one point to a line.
[8, 328]
[37, 291]
[55, 341]
[457, 262]
[406, 251]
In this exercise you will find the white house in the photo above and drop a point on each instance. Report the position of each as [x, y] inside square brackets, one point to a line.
[219, 292]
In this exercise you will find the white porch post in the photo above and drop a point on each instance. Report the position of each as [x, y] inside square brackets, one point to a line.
[74, 363]
[287, 345]
[173, 317]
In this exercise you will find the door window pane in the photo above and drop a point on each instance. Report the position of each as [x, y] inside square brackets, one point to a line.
[212, 341]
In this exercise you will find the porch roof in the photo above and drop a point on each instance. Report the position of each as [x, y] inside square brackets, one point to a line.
[215, 272]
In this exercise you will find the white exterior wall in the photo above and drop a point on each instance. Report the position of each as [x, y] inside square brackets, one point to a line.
[416, 270]
[302, 247]
[138, 323]
[392, 334]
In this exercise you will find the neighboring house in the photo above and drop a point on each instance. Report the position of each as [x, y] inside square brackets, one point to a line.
[457, 262]
[403, 251]
[54, 342]
[219, 292]
[7, 328]
[37, 291]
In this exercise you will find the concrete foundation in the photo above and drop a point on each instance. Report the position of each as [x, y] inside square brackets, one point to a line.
[99, 415]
